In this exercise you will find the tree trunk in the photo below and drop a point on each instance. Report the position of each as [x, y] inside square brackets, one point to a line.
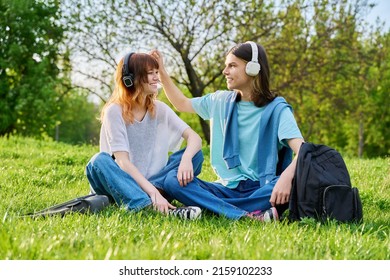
[361, 136]
[206, 129]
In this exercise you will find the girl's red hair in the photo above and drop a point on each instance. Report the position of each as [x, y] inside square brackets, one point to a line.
[128, 98]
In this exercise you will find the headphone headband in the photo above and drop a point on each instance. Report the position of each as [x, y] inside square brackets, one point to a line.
[253, 67]
[255, 52]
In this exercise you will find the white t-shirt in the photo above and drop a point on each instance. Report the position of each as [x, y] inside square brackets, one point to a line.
[148, 142]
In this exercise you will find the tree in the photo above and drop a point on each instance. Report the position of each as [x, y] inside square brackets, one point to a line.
[189, 28]
[372, 104]
[77, 121]
[316, 49]
[30, 35]
[322, 54]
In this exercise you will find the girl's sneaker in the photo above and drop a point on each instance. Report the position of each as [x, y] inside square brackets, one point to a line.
[186, 213]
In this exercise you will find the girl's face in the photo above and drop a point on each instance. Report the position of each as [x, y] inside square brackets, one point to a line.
[151, 87]
[235, 75]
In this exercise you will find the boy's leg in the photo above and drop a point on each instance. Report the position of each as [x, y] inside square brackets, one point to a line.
[202, 194]
[173, 164]
[253, 197]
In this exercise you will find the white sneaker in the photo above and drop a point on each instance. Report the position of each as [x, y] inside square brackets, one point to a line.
[186, 213]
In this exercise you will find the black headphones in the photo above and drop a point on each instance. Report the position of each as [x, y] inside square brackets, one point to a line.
[127, 77]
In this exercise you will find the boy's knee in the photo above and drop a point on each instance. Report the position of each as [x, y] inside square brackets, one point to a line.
[171, 182]
[197, 162]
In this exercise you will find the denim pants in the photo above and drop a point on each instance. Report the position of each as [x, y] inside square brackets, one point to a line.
[107, 178]
[235, 203]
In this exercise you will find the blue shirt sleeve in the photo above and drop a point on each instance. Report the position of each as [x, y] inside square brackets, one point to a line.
[288, 127]
[202, 106]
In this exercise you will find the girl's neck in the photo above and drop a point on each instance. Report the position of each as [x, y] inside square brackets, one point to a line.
[139, 112]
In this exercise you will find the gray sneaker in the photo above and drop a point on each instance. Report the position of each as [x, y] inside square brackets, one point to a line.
[186, 212]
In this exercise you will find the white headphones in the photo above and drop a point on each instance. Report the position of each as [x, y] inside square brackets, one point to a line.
[253, 67]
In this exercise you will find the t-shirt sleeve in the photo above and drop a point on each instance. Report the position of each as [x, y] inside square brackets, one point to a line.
[288, 127]
[114, 130]
[202, 106]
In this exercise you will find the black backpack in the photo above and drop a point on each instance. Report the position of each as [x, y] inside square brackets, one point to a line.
[321, 187]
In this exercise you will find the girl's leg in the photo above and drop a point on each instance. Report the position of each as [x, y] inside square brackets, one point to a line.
[107, 178]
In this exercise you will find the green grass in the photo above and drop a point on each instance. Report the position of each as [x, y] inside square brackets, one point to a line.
[37, 174]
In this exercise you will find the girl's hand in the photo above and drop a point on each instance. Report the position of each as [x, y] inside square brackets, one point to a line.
[160, 203]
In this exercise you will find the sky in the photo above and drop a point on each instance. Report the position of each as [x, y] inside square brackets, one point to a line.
[381, 10]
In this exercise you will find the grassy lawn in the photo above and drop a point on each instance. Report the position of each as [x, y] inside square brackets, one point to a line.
[37, 174]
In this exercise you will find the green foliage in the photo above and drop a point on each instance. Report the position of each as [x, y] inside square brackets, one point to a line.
[30, 34]
[77, 120]
[330, 67]
[37, 174]
[377, 113]
[328, 62]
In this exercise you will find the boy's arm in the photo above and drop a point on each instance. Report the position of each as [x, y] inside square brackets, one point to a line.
[174, 94]
[185, 173]
[282, 189]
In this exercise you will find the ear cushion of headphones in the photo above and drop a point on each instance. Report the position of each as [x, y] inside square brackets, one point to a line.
[128, 80]
[252, 68]
[127, 77]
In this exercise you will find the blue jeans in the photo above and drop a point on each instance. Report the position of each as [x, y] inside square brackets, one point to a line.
[232, 203]
[107, 178]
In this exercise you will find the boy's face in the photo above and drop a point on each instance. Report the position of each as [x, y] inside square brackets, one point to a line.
[235, 75]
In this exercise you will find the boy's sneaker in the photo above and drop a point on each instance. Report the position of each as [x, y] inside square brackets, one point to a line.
[266, 216]
[186, 213]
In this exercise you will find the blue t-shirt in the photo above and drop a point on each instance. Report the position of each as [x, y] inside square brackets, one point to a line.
[212, 107]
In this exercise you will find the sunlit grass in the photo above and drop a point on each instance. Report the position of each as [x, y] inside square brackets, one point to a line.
[37, 174]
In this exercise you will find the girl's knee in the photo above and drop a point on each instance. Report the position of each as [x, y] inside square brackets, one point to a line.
[99, 158]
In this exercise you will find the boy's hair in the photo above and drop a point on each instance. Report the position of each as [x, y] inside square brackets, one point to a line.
[261, 93]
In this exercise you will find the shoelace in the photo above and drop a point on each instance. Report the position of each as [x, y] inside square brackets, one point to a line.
[183, 212]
